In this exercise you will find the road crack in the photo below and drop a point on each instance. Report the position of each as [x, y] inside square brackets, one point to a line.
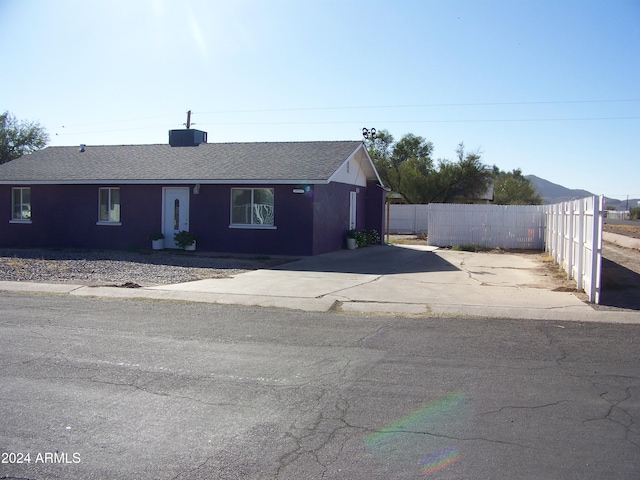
[525, 407]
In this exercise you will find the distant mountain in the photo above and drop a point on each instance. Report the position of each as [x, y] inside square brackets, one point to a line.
[554, 193]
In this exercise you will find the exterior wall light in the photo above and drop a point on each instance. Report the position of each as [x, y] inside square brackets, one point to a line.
[301, 190]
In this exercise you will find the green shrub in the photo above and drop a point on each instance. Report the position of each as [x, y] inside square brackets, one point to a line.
[364, 237]
[635, 213]
[373, 238]
[184, 239]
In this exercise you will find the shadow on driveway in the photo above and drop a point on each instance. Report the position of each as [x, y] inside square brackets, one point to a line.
[373, 260]
[620, 286]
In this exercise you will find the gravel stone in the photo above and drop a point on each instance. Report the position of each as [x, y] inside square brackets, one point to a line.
[123, 268]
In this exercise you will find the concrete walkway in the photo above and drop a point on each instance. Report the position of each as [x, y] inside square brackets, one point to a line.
[396, 280]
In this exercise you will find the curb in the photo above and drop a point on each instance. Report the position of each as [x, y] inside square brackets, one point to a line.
[333, 304]
[621, 240]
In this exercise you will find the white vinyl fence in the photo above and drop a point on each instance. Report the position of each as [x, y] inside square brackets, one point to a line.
[489, 226]
[408, 218]
[574, 239]
[615, 215]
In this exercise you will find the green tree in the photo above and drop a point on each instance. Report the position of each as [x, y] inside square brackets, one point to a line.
[18, 138]
[461, 181]
[512, 188]
[407, 167]
[401, 165]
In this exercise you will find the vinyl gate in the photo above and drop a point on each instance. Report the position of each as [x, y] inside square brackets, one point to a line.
[488, 226]
[408, 218]
[574, 239]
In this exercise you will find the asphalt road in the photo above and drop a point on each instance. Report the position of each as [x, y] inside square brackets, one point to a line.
[110, 389]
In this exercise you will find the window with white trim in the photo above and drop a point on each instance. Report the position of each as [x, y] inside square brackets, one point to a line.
[109, 205]
[21, 204]
[252, 206]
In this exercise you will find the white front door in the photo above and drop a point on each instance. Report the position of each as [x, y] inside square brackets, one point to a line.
[175, 216]
[353, 204]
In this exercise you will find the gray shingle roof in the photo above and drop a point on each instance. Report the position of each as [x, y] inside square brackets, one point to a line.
[215, 162]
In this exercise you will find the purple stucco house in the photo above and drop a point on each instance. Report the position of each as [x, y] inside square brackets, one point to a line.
[287, 198]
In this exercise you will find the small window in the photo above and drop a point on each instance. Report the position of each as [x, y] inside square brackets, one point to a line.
[21, 204]
[109, 205]
[176, 215]
[252, 206]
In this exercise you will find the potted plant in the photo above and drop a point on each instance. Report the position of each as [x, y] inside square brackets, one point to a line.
[352, 239]
[157, 241]
[185, 240]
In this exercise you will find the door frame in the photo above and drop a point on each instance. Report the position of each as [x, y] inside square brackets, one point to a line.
[169, 242]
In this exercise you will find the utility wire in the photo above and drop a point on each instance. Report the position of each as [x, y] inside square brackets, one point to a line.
[425, 105]
[362, 122]
[382, 122]
[369, 107]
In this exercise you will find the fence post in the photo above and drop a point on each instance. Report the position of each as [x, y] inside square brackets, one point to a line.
[580, 245]
[570, 257]
[562, 235]
[388, 220]
[596, 253]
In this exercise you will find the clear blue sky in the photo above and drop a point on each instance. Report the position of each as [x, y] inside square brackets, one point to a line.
[551, 86]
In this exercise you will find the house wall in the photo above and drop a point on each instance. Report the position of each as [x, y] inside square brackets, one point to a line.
[376, 199]
[65, 216]
[293, 219]
[331, 216]
[331, 213]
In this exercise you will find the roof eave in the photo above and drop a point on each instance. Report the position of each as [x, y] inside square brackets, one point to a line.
[167, 181]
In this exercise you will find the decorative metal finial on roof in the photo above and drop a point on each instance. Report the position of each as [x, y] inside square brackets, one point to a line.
[369, 134]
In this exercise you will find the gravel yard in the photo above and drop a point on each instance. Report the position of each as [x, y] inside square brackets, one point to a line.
[122, 268]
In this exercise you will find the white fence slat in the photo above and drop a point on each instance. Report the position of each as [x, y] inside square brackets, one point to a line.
[408, 218]
[489, 226]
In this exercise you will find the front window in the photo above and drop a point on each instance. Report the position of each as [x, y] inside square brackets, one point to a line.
[109, 205]
[21, 203]
[252, 206]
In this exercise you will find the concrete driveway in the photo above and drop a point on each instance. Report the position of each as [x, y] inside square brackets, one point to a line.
[406, 280]
[395, 279]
